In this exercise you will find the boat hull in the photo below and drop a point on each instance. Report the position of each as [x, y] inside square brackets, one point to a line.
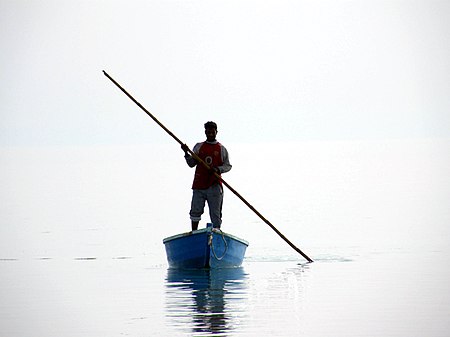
[205, 248]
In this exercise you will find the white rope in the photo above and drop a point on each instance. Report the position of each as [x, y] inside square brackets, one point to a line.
[212, 245]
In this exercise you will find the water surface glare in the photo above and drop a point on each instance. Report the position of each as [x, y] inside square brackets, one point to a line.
[81, 250]
[381, 293]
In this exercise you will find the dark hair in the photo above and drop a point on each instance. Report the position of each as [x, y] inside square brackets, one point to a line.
[210, 125]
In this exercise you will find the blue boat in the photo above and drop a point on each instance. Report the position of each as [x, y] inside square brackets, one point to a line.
[205, 248]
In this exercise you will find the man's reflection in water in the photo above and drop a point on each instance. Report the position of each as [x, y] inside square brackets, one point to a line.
[211, 298]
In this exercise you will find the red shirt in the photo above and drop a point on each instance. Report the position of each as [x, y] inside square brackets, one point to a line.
[211, 155]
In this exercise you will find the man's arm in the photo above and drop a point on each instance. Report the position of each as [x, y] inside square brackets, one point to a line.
[189, 159]
[226, 166]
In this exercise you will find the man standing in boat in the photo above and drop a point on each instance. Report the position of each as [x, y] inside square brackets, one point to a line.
[207, 187]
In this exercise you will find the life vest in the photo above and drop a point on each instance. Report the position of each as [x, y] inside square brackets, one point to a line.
[211, 154]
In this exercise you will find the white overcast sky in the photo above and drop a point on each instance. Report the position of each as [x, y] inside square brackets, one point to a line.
[263, 70]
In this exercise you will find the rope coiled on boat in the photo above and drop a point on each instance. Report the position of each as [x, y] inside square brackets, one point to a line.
[212, 245]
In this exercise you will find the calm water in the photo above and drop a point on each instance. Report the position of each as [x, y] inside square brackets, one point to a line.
[81, 249]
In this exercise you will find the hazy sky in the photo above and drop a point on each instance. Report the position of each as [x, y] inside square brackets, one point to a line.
[264, 70]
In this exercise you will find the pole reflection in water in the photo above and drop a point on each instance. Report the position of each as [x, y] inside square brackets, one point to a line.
[206, 301]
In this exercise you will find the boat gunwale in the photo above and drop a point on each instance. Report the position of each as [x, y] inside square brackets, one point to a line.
[201, 231]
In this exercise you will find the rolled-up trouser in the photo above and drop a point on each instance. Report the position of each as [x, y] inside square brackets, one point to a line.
[214, 197]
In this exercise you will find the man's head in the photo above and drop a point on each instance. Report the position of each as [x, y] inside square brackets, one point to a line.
[210, 131]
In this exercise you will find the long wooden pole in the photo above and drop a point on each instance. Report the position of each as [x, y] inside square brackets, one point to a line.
[207, 166]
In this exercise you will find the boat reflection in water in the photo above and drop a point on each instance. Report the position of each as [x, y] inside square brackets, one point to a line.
[206, 300]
